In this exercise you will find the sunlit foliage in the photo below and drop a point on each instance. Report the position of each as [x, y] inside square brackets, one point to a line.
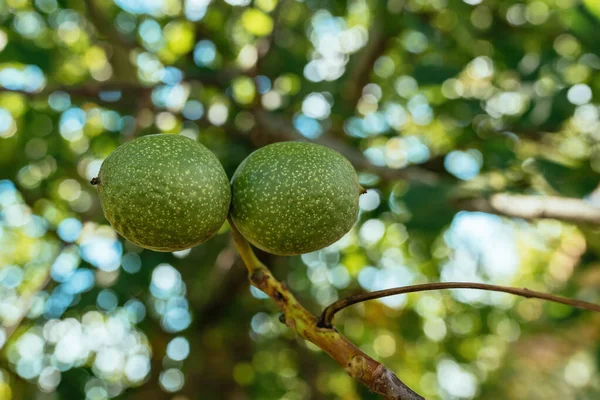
[483, 96]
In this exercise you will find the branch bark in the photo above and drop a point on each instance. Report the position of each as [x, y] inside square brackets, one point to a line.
[123, 68]
[384, 27]
[128, 91]
[326, 318]
[279, 129]
[534, 207]
[377, 377]
[359, 75]
[266, 44]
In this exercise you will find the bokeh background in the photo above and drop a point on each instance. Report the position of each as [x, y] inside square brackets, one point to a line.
[440, 105]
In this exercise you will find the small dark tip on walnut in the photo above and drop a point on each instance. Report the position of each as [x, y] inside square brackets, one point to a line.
[95, 181]
[362, 190]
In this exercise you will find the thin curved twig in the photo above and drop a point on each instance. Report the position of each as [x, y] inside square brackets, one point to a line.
[376, 376]
[326, 318]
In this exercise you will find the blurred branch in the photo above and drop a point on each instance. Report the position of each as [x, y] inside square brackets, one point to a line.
[91, 91]
[276, 128]
[279, 129]
[326, 318]
[123, 67]
[534, 207]
[144, 102]
[380, 34]
[104, 25]
[266, 44]
[220, 79]
[377, 377]
[358, 76]
[211, 312]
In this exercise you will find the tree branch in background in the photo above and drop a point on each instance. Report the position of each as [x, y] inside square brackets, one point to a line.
[326, 318]
[129, 92]
[359, 75]
[266, 44]
[534, 207]
[228, 287]
[377, 377]
[279, 129]
[123, 68]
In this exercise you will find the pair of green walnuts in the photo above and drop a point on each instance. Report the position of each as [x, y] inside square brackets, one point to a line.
[168, 192]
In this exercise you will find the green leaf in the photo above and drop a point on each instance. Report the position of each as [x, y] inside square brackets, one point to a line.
[568, 181]
[428, 206]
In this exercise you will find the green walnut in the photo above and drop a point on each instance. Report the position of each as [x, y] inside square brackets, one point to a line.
[293, 198]
[164, 192]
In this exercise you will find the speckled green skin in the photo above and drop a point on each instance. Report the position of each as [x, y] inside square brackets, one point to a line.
[164, 192]
[293, 198]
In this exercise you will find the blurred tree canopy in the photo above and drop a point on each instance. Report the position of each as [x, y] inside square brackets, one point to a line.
[475, 125]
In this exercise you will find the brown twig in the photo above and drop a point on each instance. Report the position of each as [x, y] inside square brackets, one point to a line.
[276, 128]
[377, 377]
[534, 207]
[326, 318]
